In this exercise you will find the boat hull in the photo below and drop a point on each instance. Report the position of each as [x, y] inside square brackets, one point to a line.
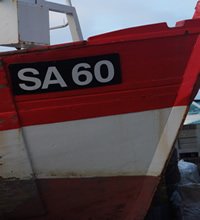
[98, 198]
[90, 198]
[112, 176]
[94, 147]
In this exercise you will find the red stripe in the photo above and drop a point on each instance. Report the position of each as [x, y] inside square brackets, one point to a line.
[152, 75]
[65, 109]
[8, 114]
[191, 80]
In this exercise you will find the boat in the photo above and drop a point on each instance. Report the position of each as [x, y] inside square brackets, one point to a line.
[87, 128]
[193, 116]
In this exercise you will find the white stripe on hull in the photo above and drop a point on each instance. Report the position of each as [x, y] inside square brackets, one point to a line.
[167, 139]
[127, 144]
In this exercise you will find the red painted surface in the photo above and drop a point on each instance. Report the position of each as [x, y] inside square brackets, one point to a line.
[153, 60]
[197, 11]
[8, 114]
[191, 81]
[113, 198]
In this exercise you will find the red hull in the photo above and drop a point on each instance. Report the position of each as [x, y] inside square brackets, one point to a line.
[113, 198]
[152, 81]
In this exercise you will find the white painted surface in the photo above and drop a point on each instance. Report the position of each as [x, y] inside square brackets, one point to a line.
[106, 146]
[8, 22]
[33, 23]
[166, 141]
[14, 160]
[23, 22]
[72, 18]
[26, 23]
[128, 144]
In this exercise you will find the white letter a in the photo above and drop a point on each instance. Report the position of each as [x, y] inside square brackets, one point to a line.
[59, 80]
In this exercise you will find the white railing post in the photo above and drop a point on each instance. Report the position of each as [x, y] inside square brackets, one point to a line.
[72, 18]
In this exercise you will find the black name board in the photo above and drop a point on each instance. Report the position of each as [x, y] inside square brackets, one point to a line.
[54, 76]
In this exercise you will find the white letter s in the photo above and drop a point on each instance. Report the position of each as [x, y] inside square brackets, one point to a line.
[37, 83]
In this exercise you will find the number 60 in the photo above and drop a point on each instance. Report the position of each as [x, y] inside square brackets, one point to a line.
[77, 73]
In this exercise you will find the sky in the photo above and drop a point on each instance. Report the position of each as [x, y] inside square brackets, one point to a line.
[100, 16]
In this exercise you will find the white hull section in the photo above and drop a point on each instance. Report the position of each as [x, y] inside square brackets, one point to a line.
[127, 144]
[166, 141]
[14, 159]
